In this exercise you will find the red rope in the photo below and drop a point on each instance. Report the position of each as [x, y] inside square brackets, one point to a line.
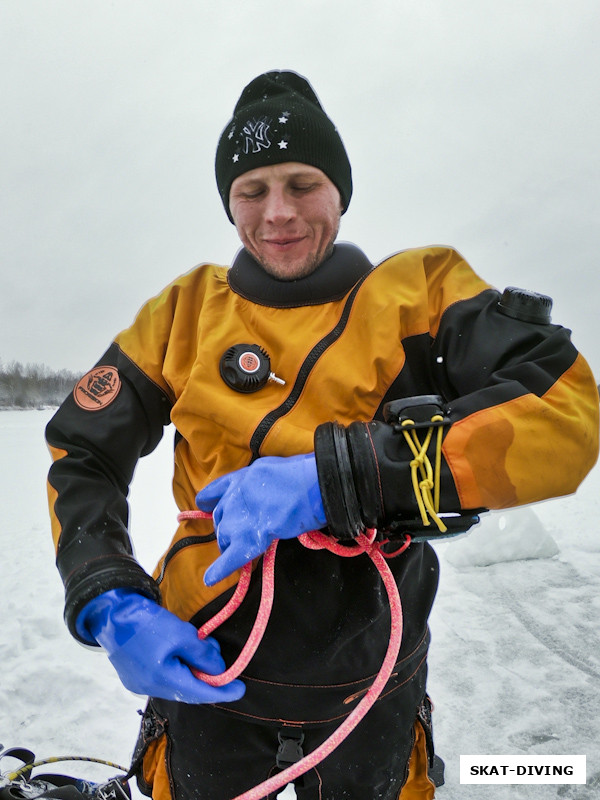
[315, 540]
[260, 623]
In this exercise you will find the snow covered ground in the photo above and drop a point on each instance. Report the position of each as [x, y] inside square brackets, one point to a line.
[515, 660]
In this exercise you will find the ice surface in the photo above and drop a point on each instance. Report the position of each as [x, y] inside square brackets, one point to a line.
[501, 536]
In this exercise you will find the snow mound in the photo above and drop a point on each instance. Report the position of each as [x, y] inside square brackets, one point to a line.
[514, 535]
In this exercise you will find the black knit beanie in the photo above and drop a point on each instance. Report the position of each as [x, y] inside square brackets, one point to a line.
[279, 118]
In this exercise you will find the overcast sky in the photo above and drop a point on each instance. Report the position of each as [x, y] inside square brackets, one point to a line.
[468, 122]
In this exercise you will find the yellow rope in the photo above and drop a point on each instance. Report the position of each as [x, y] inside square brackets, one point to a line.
[438, 461]
[23, 770]
[428, 504]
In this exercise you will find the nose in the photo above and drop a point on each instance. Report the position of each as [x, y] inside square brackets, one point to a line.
[279, 207]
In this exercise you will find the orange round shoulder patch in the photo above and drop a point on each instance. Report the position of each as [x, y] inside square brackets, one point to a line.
[98, 388]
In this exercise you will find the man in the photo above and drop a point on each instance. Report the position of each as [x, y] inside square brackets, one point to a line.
[291, 379]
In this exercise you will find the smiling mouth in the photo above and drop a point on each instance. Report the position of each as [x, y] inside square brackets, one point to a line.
[283, 242]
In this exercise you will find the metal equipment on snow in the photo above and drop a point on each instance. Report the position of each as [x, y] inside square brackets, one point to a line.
[20, 784]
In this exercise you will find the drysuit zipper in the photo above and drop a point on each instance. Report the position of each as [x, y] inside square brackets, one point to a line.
[306, 368]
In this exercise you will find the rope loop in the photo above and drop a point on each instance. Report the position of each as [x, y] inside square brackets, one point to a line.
[420, 467]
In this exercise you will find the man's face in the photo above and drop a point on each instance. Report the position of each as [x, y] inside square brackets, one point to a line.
[287, 216]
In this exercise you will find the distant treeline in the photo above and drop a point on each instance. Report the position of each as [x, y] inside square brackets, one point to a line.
[37, 386]
[33, 385]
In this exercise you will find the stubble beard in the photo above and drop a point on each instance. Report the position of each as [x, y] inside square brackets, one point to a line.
[303, 270]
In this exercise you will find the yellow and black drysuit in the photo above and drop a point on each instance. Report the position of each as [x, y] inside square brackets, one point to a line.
[347, 339]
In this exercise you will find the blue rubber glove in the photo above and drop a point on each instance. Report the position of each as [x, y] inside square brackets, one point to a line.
[273, 498]
[153, 650]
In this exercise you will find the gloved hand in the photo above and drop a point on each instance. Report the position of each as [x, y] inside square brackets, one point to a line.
[273, 498]
[153, 650]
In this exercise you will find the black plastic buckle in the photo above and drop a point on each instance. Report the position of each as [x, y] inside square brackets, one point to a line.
[419, 410]
[290, 747]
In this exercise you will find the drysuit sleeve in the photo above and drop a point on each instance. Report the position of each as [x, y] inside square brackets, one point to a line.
[115, 415]
[520, 411]
[522, 402]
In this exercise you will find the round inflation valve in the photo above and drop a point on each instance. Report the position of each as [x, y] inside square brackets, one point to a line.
[245, 367]
[525, 305]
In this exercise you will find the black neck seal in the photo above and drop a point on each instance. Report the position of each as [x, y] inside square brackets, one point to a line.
[332, 280]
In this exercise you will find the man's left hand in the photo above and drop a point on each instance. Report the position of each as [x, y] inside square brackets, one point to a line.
[273, 498]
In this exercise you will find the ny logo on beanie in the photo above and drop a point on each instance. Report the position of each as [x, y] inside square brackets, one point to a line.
[256, 133]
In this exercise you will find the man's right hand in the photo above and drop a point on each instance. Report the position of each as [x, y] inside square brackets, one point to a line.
[153, 651]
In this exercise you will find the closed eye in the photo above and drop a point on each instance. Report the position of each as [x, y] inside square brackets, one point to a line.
[251, 194]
